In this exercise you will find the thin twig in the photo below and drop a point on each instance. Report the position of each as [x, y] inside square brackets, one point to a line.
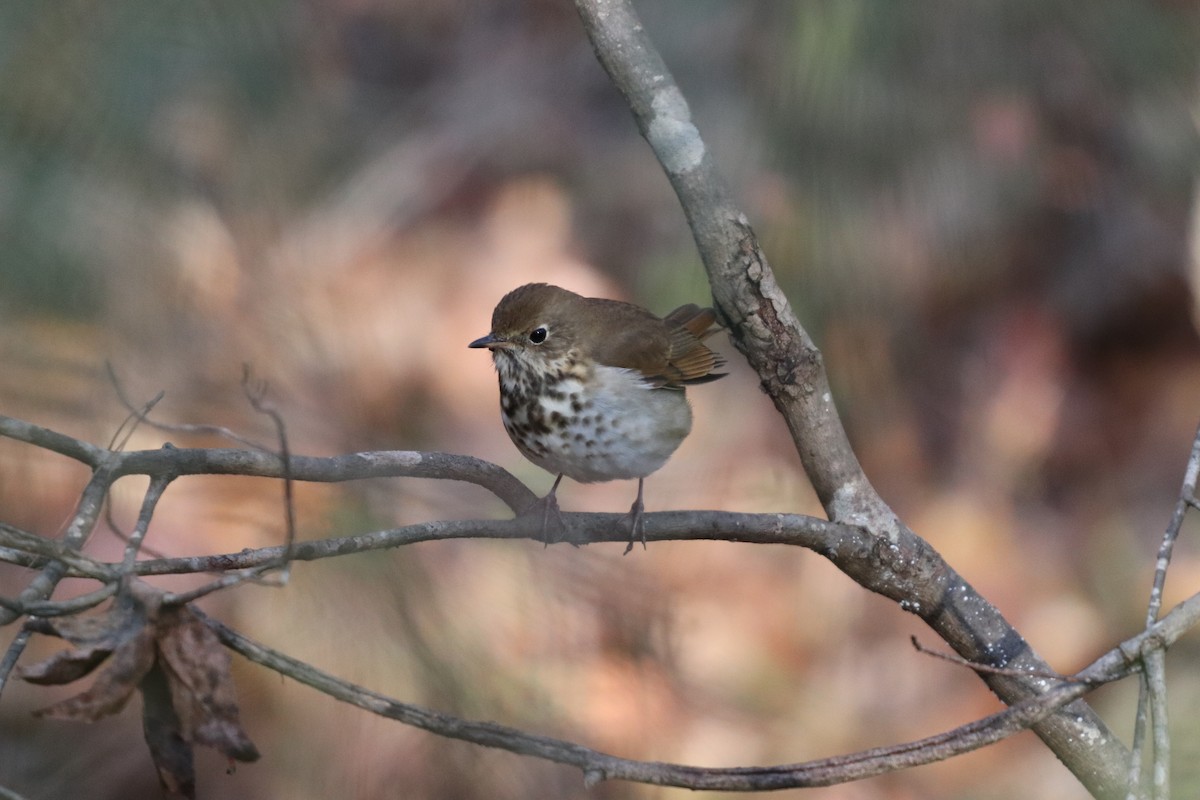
[263, 463]
[224, 582]
[154, 492]
[110, 522]
[1155, 678]
[80, 527]
[132, 419]
[22, 431]
[1152, 699]
[117, 442]
[209, 430]
[988, 668]
[30, 543]
[40, 588]
[833, 541]
[1138, 743]
[598, 766]
[257, 397]
[12, 655]
[63, 608]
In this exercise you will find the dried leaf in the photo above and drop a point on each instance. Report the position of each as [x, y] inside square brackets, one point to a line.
[95, 637]
[113, 685]
[136, 604]
[172, 657]
[201, 684]
[172, 754]
[66, 665]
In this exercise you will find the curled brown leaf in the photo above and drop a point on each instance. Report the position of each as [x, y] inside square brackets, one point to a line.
[198, 673]
[168, 654]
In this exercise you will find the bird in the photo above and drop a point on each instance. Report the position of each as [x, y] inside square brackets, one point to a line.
[593, 389]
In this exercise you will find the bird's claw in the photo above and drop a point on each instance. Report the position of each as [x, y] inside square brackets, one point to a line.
[637, 525]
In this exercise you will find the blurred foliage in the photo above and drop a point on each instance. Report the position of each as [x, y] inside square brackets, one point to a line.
[980, 210]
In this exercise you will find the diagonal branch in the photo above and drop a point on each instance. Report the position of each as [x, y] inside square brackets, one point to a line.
[78, 530]
[597, 766]
[792, 372]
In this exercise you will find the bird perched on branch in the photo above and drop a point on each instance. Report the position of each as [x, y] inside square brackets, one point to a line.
[593, 389]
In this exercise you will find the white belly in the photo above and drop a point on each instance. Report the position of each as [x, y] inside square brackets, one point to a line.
[623, 429]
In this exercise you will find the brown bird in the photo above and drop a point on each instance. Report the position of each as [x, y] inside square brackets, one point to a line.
[594, 389]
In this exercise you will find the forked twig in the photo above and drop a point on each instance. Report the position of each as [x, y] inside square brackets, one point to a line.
[211, 430]
[1152, 700]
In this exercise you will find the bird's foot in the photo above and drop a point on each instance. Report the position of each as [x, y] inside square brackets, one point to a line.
[637, 522]
[546, 511]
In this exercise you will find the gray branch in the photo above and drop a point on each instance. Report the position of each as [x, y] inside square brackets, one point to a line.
[845, 545]
[597, 766]
[792, 372]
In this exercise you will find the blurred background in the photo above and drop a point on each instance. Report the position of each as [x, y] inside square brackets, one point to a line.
[981, 211]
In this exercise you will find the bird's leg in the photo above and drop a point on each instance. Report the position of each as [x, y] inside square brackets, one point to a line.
[549, 507]
[637, 523]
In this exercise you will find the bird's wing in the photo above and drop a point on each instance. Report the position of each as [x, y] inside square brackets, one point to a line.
[669, 352]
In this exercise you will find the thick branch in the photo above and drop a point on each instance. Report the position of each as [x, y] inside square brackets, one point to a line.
[792, 372]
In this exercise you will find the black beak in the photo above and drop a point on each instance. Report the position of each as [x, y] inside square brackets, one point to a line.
[490, 341]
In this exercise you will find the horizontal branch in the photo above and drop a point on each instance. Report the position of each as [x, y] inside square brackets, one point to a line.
[29, 549]
[332, 469]
[175, 461]
[833, 541]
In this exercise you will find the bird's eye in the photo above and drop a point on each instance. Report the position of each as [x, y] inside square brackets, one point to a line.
[538, 335]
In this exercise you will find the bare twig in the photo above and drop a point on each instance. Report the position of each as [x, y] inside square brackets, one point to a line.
[1138, 742]
[262, 463]
[1155, 677]
[21, 431]
[119, 439]
[111, 523]
[257, 396]
[836, 542]
[199, 430]
[15, 648]
[120, 436]
[224, 582]
[158, 485]
[28, 543]
[63, 608]
[81, 525]
[1152, 699]
[977, 667]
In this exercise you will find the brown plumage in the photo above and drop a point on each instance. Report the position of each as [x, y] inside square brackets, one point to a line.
[669, 352]
[594, 389]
